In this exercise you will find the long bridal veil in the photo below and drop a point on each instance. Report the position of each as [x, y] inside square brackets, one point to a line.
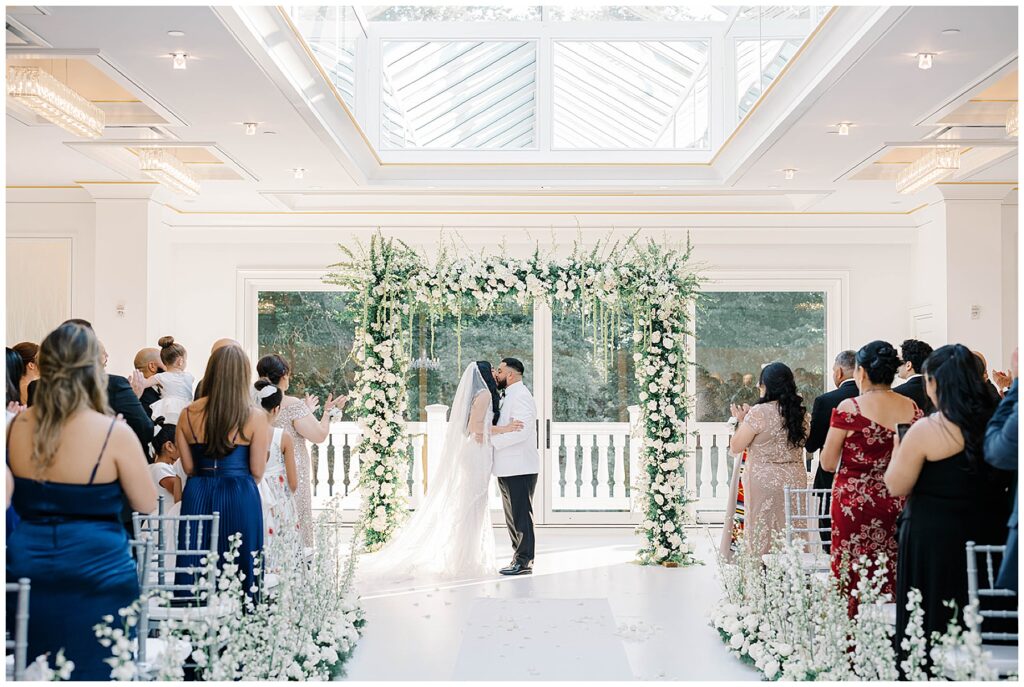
[449, 535]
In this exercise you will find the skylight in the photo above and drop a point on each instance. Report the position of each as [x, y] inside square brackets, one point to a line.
[545, 79]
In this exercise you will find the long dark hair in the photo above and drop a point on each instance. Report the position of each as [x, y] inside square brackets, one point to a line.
[485, 371]
[779, 385]
[15, 370]
[961, 395]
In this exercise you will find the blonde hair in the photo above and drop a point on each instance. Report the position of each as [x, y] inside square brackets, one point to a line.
[228, 401]
[71, 377]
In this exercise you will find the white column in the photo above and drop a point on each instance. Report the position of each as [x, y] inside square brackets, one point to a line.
[132, 286]
[961, 272]
[436, 424]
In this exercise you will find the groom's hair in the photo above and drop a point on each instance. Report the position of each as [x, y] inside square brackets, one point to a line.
[515, 364]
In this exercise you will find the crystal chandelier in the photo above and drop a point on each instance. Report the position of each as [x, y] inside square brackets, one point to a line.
[65, 107]
[936, 164]
[1011, 121]
[160, 164]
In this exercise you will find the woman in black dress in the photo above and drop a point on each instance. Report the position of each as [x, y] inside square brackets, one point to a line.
[953, 496]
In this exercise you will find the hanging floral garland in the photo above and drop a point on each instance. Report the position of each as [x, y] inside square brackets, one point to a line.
[649, 282]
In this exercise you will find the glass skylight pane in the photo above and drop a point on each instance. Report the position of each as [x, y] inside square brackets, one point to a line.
[449, 13]
[459, 94]
[769, 12]
[635, 13]
[331, 31]
[630, 94]
[758, 62]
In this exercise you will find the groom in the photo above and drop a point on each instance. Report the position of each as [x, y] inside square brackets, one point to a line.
[516, 463]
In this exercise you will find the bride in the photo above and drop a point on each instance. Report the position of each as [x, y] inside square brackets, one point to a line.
[450, 536]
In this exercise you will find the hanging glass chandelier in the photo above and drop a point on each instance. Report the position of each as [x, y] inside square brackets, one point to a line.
[46, 96]
[163, 166]
[934, 165]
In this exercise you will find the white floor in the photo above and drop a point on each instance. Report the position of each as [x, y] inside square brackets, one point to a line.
[586, 613]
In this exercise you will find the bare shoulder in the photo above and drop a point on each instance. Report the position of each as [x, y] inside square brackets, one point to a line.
[289, 401]
[847, 405]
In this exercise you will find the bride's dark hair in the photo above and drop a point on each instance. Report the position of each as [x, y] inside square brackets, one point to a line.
[484, 368]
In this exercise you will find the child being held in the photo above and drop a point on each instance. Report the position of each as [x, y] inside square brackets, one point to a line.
[175, 383]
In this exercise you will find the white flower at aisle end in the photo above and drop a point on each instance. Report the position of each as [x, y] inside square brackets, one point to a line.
[652, 283]
[303, 627]
[791, 624]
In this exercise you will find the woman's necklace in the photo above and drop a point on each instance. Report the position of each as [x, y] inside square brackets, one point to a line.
[871, 391]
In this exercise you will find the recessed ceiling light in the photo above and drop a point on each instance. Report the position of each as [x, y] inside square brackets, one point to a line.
[431, 188]
[316, 188]
[179, 60]
[663, 187]
[298, 172]
[250, 128]
[789, 174]
[176, 33]
[950, 32]
[924, 60]
[773, 187]
[269, 133]
[843, 128]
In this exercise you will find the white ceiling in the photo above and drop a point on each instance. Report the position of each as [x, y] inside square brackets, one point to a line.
[877, 86]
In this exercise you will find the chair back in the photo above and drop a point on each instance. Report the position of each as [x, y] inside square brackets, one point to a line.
[807, 513]
[19, 645]
[979, 590]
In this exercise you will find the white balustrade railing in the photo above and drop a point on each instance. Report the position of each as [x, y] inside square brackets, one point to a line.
[592, 465]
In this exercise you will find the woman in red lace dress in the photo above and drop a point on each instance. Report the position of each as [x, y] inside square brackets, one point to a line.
[860, 443]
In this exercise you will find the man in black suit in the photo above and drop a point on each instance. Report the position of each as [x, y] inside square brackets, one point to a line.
[147, 364]
[821, 417]
[913, 353]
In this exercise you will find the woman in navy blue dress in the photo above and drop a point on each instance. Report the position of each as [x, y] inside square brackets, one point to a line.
[73, 465]
[223, 441]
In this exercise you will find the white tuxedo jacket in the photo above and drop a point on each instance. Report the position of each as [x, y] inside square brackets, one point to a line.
[515, 453]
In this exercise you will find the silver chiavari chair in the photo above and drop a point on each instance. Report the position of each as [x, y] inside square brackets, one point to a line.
[1003, 657]
[19, 645]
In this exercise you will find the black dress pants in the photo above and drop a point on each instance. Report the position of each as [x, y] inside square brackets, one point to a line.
[517, 498]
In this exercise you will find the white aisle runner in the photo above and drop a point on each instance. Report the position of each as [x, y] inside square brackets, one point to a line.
[530, 638]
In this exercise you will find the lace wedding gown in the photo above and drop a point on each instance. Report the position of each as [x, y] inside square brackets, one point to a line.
[449, 536]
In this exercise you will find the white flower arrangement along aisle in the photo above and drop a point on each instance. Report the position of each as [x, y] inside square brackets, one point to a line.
[653, 283]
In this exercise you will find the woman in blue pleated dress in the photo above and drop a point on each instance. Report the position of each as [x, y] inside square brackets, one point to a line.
[73, 466]
[222, 439]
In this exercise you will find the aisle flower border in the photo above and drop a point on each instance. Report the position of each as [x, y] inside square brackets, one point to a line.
[652, 282]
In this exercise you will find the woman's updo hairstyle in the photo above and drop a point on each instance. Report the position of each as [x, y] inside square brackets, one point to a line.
[273, 368]
[879, 360]
[170, 351]
[268, 394]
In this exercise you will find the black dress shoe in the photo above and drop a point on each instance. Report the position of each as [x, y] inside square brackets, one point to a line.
[516, 569]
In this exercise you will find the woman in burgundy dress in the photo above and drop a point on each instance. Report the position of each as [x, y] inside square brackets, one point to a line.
[860, 443]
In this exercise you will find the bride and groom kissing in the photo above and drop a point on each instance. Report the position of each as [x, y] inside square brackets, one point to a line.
[491, 430]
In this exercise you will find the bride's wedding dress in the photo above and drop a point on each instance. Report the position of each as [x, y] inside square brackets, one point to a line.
[449, 536]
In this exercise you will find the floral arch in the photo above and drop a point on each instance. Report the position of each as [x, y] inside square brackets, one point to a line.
[652, 283]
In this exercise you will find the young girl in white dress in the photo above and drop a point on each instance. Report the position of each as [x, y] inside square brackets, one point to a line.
[280, 479]
[165, 470]
[175, 383]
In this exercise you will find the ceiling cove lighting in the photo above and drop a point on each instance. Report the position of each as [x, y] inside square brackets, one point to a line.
[1011, 121]
[162, 165]
[934, 165]
[924, 60]
[179, 60]
[43, 94]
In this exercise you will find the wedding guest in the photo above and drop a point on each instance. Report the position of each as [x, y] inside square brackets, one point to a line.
[773, 432]
[1001, 453]
[217, 345]
[30, 369]
[175, 382]
[821, 417]
[73, 465]
[298, 419]
[953, 496]
[859, 443]
[992, 390]
[280, 481]
[913, 353]
[222, 441]
[162, 469]
[147, 364]
[15, 371]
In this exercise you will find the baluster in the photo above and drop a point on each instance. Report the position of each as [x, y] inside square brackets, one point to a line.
[721, 475]
[330, 464]
[571, 473]
[587, 487]
[314, 461]
[346, 464]
[636, 446]
[351, 441]
[619, 468]
[603, 483]
[417, 468]
[322, 473]
[701, 458]
[559, 455]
